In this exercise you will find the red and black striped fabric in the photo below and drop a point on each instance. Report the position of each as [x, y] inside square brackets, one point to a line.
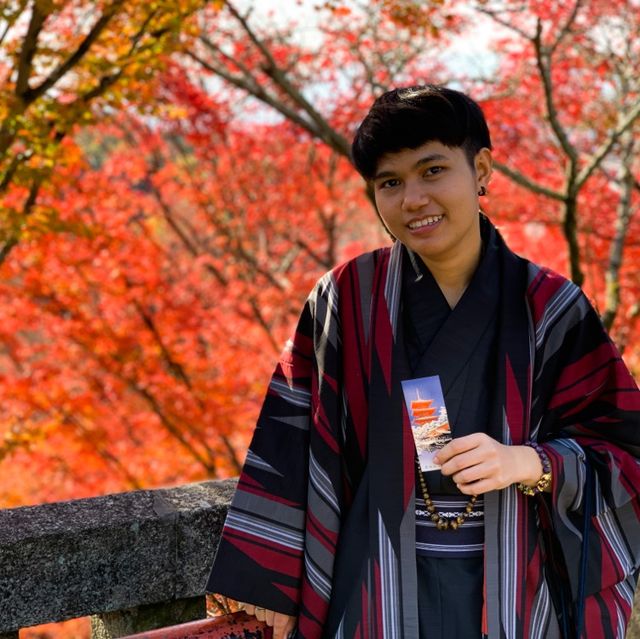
[322, 525]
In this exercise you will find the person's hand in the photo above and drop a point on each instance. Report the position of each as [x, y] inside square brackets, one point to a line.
[478, 463]
[282, 624]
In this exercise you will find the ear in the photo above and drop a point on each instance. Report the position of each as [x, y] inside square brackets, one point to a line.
[483, 163]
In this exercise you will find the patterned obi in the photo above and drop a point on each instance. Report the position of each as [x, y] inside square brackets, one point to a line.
[466, 541]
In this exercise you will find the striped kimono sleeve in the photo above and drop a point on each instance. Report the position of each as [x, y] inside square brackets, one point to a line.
[590, 425]
[260, 555]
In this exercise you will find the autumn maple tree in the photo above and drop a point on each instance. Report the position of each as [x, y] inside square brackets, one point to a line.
[162, 245]
[561, 93]
[568, 99]
[62, 62]
[175, 175]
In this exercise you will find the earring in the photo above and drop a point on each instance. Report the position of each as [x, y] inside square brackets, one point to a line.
[482, 191]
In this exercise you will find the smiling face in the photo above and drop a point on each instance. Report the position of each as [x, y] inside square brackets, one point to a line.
[428, 198]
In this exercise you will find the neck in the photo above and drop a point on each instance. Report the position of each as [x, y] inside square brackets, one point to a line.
[454, 274]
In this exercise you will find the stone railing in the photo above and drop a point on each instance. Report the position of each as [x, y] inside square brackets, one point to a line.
[133, 561]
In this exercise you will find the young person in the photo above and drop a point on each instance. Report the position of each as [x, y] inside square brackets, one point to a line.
[530, 526]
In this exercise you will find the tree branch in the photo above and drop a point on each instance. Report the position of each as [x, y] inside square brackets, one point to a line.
[566, 29]
[174, 367]
[102, 451]
[321, 261]
[61, 70]
[543, 62]
[272, 70]
[523, 180]
[10, 19]
[28, 50]
[30, 202]
[258, 92]
[623, 218]
[152, 402]
[255, 307]
[505, 23]
[624, 123]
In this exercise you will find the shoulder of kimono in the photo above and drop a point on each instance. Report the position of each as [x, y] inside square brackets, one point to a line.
[549, 292]
[344, 272]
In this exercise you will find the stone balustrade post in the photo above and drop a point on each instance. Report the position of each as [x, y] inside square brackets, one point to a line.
[137, 560]
[133, 561]
[149, 617]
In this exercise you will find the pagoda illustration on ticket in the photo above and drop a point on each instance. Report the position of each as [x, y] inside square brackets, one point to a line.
[429, 419]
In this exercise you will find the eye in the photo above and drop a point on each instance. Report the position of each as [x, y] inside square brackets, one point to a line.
[433, 170]
[389, 184]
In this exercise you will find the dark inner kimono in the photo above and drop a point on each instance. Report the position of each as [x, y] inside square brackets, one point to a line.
[458, 345]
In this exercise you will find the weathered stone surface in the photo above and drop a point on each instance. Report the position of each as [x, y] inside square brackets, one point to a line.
[127, 622]
[201, 510]
[89, 556]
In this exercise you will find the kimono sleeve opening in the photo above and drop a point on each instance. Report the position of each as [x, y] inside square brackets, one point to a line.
[260, 556]
[591, 429]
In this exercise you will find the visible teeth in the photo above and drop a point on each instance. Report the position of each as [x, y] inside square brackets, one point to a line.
[425, 222]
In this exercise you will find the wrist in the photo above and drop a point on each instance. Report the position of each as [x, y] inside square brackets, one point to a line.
[541, 483]
[529, 466]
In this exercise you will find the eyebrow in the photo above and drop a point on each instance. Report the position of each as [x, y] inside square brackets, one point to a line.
[427, 159]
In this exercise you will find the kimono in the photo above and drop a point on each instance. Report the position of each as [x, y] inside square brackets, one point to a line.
[458, 347]
[322, 525]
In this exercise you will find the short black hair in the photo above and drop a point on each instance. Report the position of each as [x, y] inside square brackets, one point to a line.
[406, 118]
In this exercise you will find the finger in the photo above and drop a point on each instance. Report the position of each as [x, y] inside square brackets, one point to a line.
[464, 460]
[472, 474]
[444, 454]
[282, 625]
[268, 617]
[474, 466]
[278, 627]
[457, 446]
[290, 628]
[250, 609]
[477, 487]
[260, 613]
[492, 468]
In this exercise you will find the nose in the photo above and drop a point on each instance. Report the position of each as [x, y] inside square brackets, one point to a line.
[415, 196]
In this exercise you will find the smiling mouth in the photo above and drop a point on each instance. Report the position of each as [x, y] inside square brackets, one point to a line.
[425, 221]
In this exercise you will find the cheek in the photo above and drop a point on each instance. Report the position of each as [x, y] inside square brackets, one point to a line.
[386, 205]
[389, 221]
[464, 199]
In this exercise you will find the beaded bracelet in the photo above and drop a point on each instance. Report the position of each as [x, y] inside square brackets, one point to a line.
[545, 479]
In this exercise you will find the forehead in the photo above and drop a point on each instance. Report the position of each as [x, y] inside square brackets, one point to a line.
[405, 159]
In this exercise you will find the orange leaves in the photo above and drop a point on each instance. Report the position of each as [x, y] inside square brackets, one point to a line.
[63, 59]
[194, 200]
[337, 9]
[142, 348]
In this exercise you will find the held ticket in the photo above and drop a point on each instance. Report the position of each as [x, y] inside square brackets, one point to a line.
[428, 416]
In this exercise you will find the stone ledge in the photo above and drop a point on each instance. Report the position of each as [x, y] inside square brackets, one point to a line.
[89, 556]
